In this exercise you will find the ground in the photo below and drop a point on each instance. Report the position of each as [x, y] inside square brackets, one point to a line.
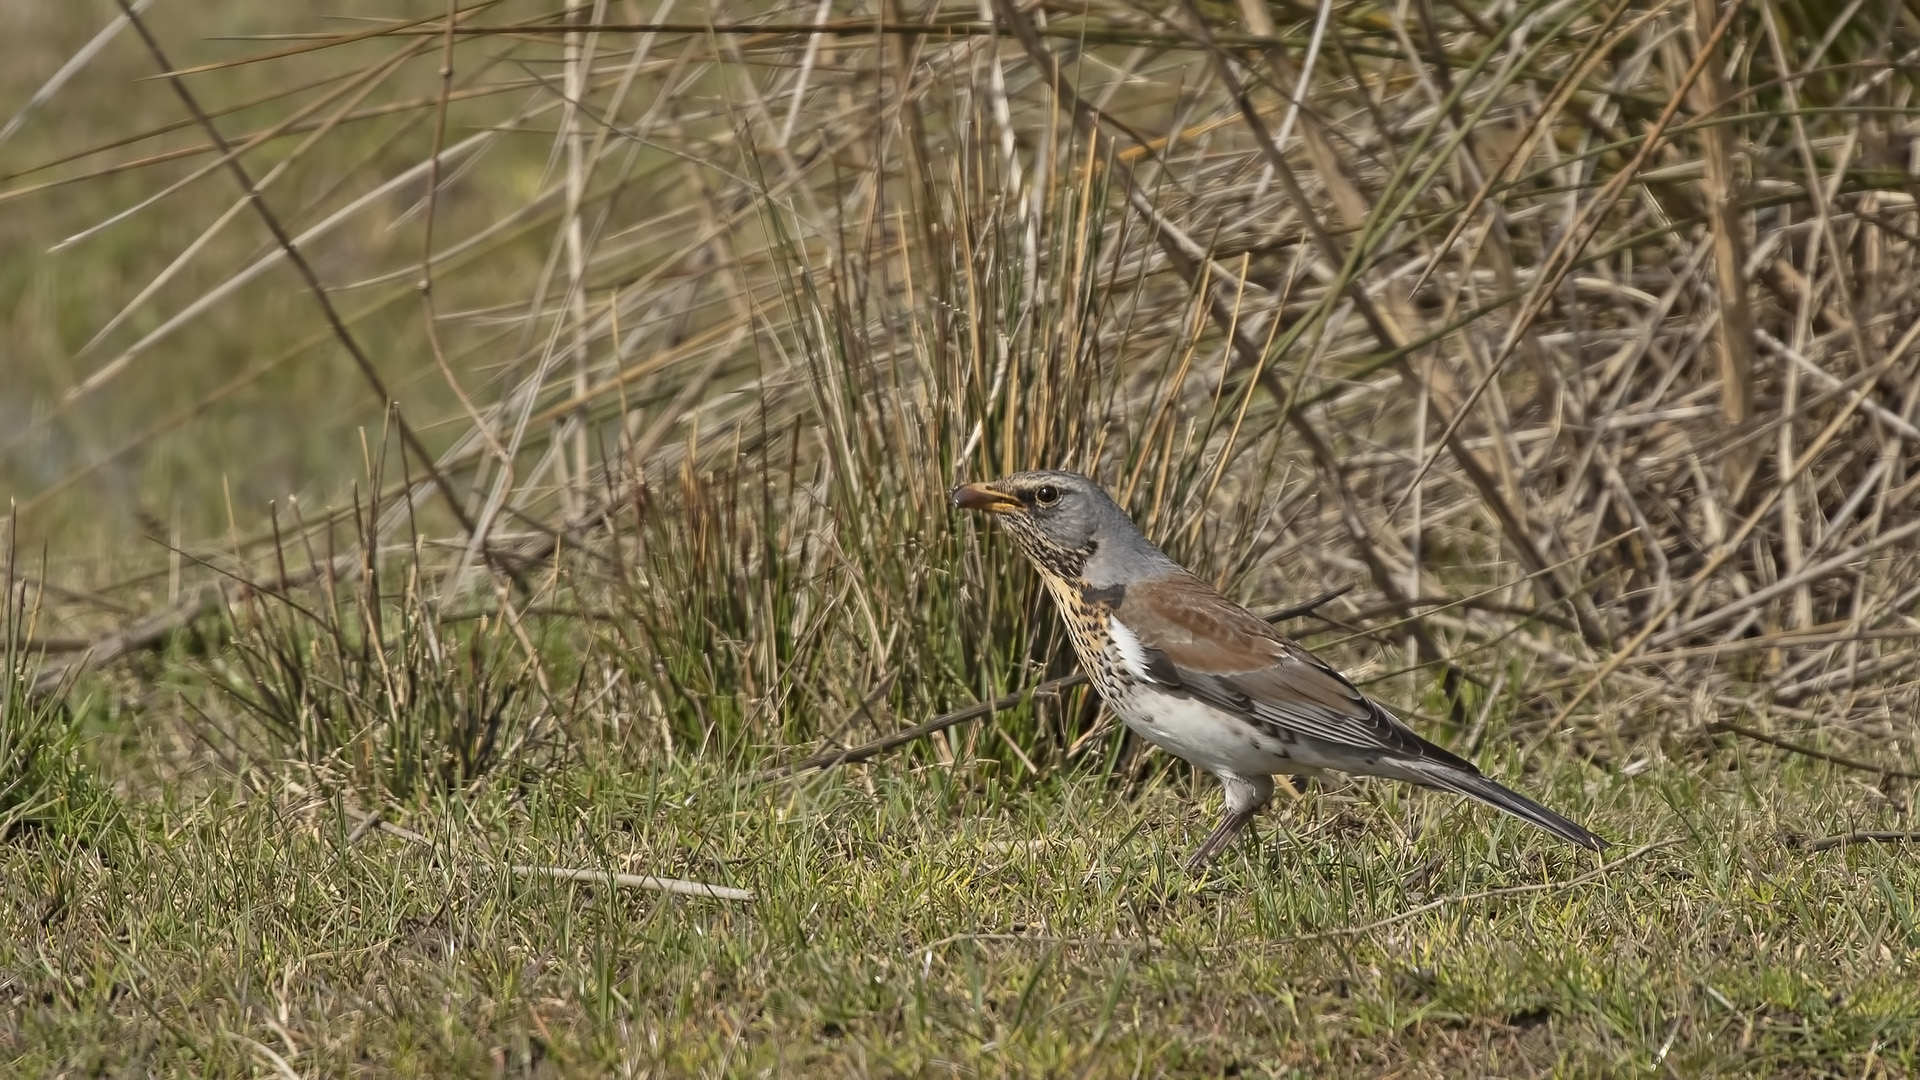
[918, 921]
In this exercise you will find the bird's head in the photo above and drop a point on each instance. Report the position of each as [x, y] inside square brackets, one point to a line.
[1060, 520]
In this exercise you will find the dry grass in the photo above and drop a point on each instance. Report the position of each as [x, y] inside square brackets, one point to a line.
[600, 412]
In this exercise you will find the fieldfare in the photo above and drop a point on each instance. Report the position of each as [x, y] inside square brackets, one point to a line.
[1204, 678]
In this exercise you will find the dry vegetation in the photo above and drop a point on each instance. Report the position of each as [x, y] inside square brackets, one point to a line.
[554, 453]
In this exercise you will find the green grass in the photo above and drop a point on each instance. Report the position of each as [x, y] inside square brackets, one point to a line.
[936, 920]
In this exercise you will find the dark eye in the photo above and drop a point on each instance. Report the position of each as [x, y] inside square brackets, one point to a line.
[1046, 495]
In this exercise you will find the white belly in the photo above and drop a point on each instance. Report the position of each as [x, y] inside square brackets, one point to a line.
[1214, 740]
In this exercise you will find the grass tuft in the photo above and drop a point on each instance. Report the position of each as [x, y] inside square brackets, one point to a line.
[45, 788]
[359, 681]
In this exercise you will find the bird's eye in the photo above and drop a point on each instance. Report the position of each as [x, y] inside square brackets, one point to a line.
[1046, 495]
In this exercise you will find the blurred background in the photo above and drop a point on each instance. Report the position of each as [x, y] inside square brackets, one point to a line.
[1575, 337]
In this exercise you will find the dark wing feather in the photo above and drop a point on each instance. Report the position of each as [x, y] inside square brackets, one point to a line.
[1200, 641]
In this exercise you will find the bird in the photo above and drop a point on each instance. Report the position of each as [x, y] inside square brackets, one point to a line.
[1203, 678]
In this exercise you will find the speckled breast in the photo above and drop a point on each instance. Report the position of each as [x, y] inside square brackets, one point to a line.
[1087, 611]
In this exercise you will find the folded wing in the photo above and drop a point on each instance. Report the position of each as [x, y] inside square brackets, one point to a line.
[1193, 638]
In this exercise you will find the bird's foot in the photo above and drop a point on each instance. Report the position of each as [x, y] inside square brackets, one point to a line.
[1218, 841]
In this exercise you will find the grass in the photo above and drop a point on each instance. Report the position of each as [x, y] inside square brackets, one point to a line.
[715, 318]
[928, 921]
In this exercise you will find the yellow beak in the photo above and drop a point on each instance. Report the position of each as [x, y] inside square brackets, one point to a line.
[982, 497]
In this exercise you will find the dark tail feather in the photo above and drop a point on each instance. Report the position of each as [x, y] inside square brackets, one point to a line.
[1475, 786]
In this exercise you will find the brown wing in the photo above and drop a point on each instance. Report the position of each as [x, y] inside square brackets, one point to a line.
[1200, 641]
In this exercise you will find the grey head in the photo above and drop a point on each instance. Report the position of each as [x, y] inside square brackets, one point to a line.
[1069, 527]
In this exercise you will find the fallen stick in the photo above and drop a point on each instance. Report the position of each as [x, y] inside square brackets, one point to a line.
[1828, 843]
[153, 631]
[920, 731]
[1744, 732]
[635, 881]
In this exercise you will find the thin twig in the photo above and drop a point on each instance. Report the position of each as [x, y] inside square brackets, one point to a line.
[987, 708]
[153, 631]
[368, 820]
[1045, 939]
[1745, 732]
[298, 260]
[1828, 843]
[1594, 874]
[921, 731]
[635, 881]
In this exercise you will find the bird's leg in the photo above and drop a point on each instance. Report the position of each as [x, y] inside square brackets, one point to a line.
[1245, 796]
[1229, 828]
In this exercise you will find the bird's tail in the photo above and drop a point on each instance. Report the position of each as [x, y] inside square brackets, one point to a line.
[1475, 786]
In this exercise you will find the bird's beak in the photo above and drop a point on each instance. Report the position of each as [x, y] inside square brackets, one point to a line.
[982, 497]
